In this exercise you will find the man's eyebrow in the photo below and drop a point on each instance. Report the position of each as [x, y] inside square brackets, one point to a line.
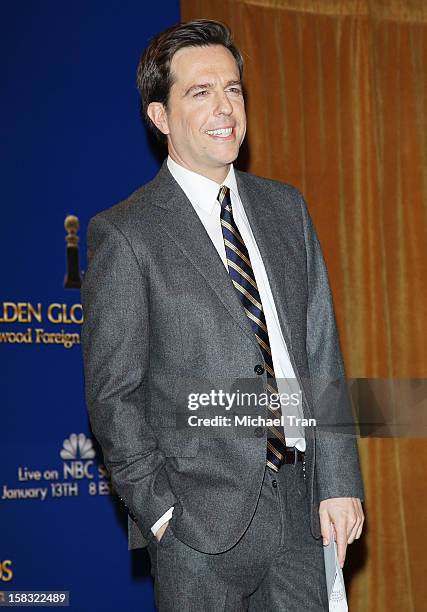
[209, 85]
[238, 82]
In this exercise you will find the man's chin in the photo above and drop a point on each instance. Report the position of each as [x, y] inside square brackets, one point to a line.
[228, 159]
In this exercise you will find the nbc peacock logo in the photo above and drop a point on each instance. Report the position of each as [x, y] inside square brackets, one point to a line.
[77, 447]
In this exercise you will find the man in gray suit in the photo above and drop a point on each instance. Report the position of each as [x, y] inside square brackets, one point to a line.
[208, 274]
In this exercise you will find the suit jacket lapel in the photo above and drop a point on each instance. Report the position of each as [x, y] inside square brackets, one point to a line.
[272, 246]
[184, 227]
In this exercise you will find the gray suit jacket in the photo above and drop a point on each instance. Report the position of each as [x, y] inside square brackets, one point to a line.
[160, 309]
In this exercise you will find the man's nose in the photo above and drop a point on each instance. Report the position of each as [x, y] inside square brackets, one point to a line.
[223, 104]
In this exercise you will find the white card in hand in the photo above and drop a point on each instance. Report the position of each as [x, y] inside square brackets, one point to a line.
[334, 577]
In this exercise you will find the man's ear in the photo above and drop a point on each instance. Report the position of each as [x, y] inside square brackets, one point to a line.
[157, 113]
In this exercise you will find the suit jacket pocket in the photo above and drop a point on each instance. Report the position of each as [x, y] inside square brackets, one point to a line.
[176, 443]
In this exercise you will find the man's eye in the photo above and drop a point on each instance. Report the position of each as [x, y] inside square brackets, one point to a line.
[236, 90]
[200, 93]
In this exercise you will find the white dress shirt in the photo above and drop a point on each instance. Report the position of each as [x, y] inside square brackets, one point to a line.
[203, 193]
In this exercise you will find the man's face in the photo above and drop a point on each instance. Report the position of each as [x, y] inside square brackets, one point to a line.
[205, 121]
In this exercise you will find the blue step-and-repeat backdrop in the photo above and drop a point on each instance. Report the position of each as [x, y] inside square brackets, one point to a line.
[72, 143]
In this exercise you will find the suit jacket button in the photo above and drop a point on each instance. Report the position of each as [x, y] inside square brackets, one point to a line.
[259, 432]
[259, 369]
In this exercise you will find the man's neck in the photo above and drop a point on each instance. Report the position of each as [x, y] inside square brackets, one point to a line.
[218, 175]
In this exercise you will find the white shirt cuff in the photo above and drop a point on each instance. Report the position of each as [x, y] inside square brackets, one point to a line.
[162, 520]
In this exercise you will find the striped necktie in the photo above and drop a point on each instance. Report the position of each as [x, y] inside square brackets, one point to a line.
[243, 278]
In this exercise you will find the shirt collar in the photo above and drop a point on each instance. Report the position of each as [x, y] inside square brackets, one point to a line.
[200, 190]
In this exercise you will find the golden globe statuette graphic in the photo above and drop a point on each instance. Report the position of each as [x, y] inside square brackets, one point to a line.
[72, 278]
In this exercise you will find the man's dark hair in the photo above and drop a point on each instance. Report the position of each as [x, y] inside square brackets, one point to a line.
[153, 77]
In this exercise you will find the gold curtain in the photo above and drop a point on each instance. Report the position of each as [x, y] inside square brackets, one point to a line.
[337, 105]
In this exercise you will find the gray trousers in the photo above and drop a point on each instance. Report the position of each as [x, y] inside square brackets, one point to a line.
[276, 566]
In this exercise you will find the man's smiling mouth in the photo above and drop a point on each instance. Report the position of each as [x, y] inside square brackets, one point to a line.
[221, 132]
